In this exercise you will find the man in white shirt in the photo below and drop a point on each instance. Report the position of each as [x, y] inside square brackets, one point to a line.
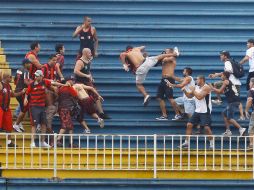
[249, 57]
[225, 58]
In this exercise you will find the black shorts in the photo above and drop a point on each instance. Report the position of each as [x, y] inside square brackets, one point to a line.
[38, 115]
[165, 91]
[204, 119]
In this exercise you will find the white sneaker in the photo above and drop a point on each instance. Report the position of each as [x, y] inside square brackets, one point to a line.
[21, 127]
[146, 100]
[176, 51]
[227, 133]
[101, 122]
[184, 145]
[32, 145]
[44, 145]
[16, 127]
[87, 131]
[241, 131]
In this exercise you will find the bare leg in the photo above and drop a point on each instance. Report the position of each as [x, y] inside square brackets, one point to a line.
[84, 125]
[227, 124]
[174, 106]
[20, 118]
[141, 89]
[208, 132]
[241, 110]
[59, 136]
[233, 122]
[163, 107]
[188, 131]
[43, 132]
[33, 132]
[95, 116]
[99, 106]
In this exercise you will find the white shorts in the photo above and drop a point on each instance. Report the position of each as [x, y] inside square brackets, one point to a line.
[189, 105]
[143, 69]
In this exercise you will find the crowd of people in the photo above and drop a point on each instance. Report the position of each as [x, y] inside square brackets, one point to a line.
[43, 90]
[196, 100]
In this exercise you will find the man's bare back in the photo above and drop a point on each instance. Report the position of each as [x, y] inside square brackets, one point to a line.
[136, 57]
[82, 94]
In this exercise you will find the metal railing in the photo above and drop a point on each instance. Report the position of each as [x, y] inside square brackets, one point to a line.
[128, 152]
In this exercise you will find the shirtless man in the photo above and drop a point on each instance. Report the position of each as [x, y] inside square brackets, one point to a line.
[168, 70]
[134, 60]
[87, 103]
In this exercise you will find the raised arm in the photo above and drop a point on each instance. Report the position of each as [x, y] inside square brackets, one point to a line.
[77, 31]
[222, 88]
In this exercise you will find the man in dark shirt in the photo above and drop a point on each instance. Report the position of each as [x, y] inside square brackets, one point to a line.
[250, 104]
[83, 75]
[60, 61]
[22, 80]
[233, 99]
[87, 36]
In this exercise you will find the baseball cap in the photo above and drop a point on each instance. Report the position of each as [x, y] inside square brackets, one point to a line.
[38, 73]
[26, 61]
[225, 53]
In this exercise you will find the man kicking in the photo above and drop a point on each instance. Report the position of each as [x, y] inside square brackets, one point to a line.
[134, 60]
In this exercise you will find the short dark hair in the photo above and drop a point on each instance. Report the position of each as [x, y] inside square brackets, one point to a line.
[226, 74]
[58, 47]
[33, 45]
[225, 53]
[128, 47]
[251, 40]
[201, 77]
[189, 70]
[52, 56]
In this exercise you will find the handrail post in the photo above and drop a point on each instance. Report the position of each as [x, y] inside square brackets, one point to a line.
[155, 156]
[55, 156]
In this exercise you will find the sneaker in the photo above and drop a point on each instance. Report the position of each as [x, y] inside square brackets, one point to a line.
[104, 116]
[250, 147]
[184, 145]
[12, 145]
[21, 127]
[16, 128]
[242, 118]
[217, 102]
[176, 51]
[211, 146]
[32, 145]
[87, 131]
[241, 131]
[73, 146]
[162, 118]
[101, 122]
[44, 145]
[227, 133]
[146, 100]
[177, 117]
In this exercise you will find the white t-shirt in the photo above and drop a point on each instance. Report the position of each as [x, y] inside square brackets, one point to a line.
[250, 54]
[232, 78]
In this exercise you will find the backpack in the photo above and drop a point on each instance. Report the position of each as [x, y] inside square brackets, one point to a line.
[238, 70]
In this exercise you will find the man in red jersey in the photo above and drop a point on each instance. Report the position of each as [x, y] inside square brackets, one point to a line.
[5, 113]
[49, 72]
[32, 55]
[37, 101]
[60, 61]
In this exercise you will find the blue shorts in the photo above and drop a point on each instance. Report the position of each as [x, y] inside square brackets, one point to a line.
[189, 104]
[229, 111]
